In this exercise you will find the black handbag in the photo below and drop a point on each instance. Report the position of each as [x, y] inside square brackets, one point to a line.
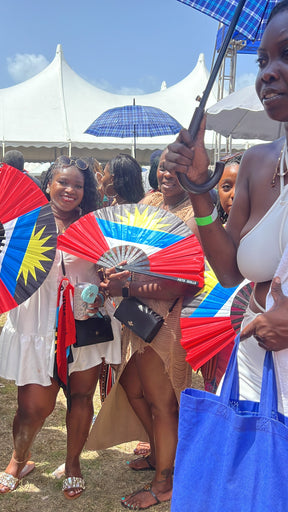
[94, 330]
[141, 319]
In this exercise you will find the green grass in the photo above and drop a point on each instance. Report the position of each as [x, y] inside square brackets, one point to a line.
[106, 473]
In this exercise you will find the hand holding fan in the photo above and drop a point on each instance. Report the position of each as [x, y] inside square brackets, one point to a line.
[150, 239]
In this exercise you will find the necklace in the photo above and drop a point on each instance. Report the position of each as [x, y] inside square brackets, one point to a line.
[63, 224]
[173, 206]
[282, 163]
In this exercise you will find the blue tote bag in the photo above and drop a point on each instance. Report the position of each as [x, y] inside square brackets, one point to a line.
[232, 455]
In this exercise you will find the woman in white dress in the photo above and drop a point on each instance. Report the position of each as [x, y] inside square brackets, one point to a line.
[27, 342]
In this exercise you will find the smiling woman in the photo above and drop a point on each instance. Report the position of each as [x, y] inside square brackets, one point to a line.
[29, 335]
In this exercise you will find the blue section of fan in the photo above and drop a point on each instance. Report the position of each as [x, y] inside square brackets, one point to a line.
[133, 234]
[213, 302]
[16, 249]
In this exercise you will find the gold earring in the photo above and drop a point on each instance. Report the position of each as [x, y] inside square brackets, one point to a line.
[112, 194]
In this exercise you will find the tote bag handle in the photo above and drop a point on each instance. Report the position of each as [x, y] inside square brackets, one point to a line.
[230, 389]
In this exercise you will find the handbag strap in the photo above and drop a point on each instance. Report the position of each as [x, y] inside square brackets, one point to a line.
[268, 399]
[230, 389]
[230, 386]
[172, 307]
[63, 265]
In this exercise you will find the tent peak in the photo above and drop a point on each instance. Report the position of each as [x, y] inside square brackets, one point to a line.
[59, 49]
[201, 59]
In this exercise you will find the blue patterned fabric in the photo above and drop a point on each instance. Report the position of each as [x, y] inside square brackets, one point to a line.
[134, 121]
[253, 18]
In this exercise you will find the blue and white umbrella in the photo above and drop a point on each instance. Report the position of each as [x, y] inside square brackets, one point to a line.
[134, 121]
[247, 17]
[251, 22]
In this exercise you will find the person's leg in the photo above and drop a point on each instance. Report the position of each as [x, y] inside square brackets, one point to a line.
[131, 383]
[78, 420]
[159, 393]
[35, 404]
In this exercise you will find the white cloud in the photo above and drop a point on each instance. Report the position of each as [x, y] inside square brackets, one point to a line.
[107, 86]
[245, 80]
[24, 66]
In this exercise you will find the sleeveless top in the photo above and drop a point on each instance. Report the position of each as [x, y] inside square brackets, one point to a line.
[260, 250]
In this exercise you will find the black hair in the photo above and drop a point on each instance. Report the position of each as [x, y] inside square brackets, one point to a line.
[14, 158]
[127, 177]
[281, 6]
[152, 176]
[91, 198]
[229, 160]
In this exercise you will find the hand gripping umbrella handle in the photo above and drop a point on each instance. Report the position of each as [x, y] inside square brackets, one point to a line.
[199, 112]
[219, 167]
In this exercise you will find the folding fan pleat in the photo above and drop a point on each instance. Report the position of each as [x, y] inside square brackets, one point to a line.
[211, 319]
[140, 235]
[14, 185]
[7, 302]
[28, 237]
[185, 256]
[84, 239]
[202, 342]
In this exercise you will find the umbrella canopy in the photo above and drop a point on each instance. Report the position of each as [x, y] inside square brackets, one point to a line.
[251, 22]
[248, 17]
[241, 115]
[134, 121]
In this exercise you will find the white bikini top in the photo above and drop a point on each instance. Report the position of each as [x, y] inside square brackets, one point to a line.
[260, 251]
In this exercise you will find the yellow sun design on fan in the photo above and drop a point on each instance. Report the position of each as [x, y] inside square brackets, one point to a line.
[144, 220]
[210, 281]
[34, 255]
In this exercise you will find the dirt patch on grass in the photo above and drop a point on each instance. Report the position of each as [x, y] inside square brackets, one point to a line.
[106, 473]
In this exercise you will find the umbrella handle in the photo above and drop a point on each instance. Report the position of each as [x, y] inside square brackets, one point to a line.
[219, 168]
[204, 187]
[199, 111]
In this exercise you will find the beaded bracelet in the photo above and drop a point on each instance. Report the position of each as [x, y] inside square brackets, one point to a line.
[205, 221]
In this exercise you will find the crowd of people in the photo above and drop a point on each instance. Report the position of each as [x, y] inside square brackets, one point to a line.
[243, 233]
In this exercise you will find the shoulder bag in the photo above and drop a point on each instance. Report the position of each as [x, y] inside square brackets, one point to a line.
[140, 318]
[232, 454]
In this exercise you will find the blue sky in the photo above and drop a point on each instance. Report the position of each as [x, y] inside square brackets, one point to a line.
[121, 46]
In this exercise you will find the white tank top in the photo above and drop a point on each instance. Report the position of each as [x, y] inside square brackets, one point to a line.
[260, 250]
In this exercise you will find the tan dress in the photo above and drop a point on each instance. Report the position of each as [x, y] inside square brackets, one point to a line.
[116, 422]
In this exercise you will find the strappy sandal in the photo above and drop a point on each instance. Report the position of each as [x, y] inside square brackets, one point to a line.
[142, 448]
[146, 488]
[11, 482]
[73, 483]
[148, 466]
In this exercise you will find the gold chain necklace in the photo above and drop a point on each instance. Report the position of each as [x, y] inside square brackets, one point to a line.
[173, 206]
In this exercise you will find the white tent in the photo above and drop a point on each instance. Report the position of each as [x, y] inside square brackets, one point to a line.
[48, 114]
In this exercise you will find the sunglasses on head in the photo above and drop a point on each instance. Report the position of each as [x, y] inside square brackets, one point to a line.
[67, 161]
